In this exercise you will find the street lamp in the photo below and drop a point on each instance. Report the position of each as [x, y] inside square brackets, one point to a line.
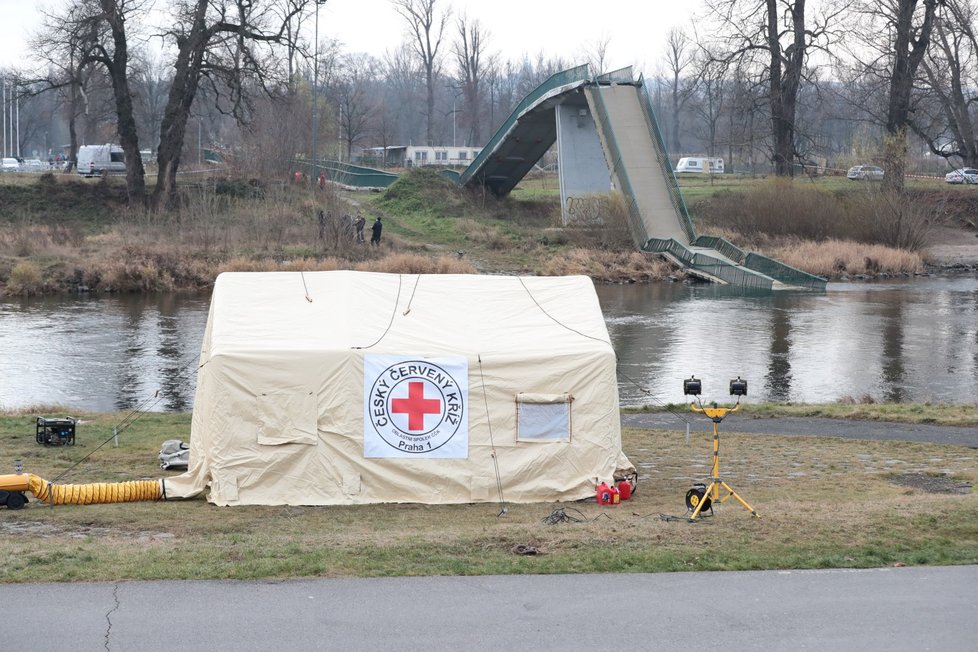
[315, 89]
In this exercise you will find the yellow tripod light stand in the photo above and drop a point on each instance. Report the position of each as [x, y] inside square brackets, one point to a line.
[711, 495]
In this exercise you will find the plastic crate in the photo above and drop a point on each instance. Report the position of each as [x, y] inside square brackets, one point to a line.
[56, 432]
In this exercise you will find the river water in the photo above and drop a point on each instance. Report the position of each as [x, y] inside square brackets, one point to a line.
[908, 341]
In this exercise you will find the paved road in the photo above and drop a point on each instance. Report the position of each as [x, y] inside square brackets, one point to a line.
[847, 428]
[891, 609]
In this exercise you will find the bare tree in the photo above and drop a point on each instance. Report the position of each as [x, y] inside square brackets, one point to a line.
[427, 27]
[472, 61]
[355, 94]
[105, 41]
[404, 93]
[150, 83]
[58, 44]
[911, 31]
[779, 30]
[943, 115]
[680, 56]
[596, 54]
[712, 92]
[227, 44]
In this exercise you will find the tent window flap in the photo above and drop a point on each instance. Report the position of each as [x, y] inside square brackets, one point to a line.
[543, 417]
[287, 416]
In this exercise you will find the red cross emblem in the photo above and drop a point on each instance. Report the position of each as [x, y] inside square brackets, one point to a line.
[416, 406]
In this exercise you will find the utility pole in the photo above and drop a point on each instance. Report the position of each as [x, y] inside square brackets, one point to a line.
[315, 93]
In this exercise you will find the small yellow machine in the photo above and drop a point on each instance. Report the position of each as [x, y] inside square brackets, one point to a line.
[702, 497]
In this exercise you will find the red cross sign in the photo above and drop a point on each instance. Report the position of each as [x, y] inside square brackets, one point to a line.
[416, 406]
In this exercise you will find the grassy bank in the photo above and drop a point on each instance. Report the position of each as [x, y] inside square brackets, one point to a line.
[864, 409]
[60, 233]
[823, 503]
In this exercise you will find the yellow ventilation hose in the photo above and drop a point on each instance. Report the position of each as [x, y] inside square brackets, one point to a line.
[83, 494]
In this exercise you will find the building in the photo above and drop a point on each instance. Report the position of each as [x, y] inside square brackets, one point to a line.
[406, 156]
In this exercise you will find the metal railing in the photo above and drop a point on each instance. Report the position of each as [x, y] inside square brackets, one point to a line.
[558, 79]
[355, 176]
[703, 264]
[620, 76]
[785, 273]
[725, 247]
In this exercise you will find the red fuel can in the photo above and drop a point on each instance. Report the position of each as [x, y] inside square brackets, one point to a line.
[603, 494]
[625, 489]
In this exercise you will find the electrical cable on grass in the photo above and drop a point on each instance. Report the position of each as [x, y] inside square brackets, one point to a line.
[560, 515]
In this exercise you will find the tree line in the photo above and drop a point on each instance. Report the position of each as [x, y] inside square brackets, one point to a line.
[765, 83]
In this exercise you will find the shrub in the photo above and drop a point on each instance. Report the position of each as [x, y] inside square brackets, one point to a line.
[778, 207]
[25, 279]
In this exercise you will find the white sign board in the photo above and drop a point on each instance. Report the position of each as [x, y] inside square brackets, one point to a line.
[415, 408]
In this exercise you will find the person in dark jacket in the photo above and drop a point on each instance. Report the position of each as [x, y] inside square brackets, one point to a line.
[376, 229]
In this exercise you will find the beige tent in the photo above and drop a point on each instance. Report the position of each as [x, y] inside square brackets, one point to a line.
[343, 387]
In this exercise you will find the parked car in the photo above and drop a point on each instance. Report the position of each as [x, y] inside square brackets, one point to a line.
[35, 164]
[962, 175]
[865, 173]
[9, 164]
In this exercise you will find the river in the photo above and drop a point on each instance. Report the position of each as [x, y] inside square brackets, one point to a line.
[913, 340]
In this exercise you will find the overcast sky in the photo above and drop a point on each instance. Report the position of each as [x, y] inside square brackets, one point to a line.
[565, 28]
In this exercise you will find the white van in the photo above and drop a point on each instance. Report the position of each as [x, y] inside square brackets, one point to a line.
[93, 160]
[700, 165]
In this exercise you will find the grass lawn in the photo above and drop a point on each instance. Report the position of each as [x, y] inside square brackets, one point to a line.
[823, 503]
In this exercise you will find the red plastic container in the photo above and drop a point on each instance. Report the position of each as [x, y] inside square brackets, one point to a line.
[603, 494]
[625, 489]
[615, 496]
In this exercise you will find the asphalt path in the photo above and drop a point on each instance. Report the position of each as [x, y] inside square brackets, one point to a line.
[805, 426]
[920, 608]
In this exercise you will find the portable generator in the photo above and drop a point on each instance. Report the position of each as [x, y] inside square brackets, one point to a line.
[56, 432]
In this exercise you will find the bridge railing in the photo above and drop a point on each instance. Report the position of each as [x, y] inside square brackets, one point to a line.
[356, 176]
[675, 194]
[620, 76]
[785, 273]
[556, 80]
[698, 262]
[725, 247]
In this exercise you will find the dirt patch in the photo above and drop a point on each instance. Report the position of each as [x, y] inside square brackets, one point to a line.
[48, 530]
[952, 246]
[934, 484]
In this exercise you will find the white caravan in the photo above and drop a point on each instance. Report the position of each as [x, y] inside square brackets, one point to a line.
[94, 160]
[700, 165]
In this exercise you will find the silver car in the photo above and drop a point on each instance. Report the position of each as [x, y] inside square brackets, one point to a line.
[962, 175]
[865, 173]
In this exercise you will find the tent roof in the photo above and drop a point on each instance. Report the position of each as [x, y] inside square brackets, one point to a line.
[427, 314]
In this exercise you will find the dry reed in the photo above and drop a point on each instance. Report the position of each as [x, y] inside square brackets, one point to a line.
[836, 258]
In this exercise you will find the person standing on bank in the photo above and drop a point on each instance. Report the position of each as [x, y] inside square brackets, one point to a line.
[376, 228]
[358, 224]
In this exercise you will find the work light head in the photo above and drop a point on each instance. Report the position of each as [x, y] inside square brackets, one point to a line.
[692, 386]
[738, 387]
